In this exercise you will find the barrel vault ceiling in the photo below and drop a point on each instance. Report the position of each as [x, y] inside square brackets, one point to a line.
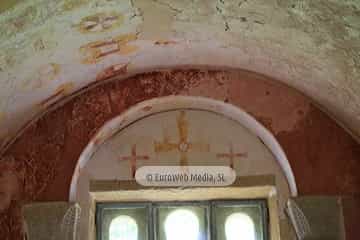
[50, 49]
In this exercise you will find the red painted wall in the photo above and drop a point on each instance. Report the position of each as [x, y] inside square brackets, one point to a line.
[39, 165]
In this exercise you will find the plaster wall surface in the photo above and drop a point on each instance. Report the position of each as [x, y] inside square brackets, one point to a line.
[213, 140]
[51, 48]
[39, 165]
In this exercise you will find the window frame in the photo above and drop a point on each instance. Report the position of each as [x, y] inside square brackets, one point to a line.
[181, 204]
[209, 205]
[245, 187]
[100, 207]
[262, 203]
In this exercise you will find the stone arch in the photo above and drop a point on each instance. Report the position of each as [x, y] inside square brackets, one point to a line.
[149, 107]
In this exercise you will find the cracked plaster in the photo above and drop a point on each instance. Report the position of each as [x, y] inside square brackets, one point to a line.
[313, 46]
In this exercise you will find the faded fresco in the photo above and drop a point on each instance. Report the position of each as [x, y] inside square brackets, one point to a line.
[182, 137]
[53, 48]
[305, 133]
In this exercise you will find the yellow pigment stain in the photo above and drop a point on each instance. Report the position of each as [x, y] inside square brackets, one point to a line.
[100, 22]
[128, 49]
[117, 69]
[183, 144]
[125, 38]
[62, 90]
[66, 88]
[95, 51]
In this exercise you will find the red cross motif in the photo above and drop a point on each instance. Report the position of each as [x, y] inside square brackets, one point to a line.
[231, 155]
[183, 145]
[133, 158]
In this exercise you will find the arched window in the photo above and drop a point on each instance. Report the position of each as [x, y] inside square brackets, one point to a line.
[182, 224]
[123, 228]
[199, 220]
[239, 226]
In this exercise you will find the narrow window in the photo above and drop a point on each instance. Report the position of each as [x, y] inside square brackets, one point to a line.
[123, 228]
[239, 226]
[182, 224]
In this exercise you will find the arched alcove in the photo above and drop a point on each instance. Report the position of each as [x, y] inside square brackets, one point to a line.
[54, 142]
[53, 49]
[148, 108]
[180, 130]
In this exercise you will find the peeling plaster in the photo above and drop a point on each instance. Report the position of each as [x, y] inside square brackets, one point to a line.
[61, 134]
[310, 45]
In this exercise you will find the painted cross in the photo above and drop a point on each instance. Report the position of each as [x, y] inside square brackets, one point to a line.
[231, 155]
[183, 145]
[133, 158]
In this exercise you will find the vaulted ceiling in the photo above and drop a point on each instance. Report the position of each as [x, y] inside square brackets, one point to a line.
[51, 49]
